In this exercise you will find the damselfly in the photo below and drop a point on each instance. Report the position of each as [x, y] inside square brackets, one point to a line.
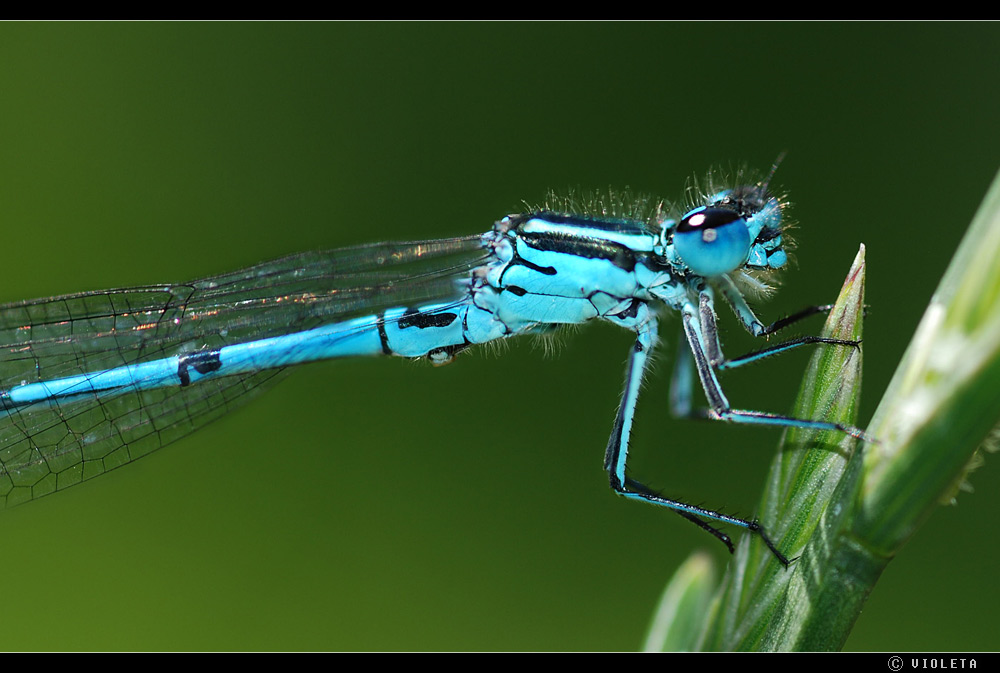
[92, 381]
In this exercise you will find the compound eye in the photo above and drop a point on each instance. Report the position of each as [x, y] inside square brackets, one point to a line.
[712, 241]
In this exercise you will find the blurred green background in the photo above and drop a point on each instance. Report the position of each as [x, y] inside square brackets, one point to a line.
[382, 504]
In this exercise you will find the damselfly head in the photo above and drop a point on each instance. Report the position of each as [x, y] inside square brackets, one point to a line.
[712, 241]
[731, 229]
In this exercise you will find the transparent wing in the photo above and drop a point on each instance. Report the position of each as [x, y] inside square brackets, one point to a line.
[47, 447]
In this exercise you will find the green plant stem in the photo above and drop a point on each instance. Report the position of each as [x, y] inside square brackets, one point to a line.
[848, 515]
[752, 601]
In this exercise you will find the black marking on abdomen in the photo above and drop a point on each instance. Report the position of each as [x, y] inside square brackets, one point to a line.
[382, 336]
[546, 270]
[632, 310]
[581, 246]
[414, 318]
[203, 362]
[518, 261]
[618, 225]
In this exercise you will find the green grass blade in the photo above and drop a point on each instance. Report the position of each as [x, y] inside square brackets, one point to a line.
[944, 398]
[803, 477]
[680, 616]
[850, 514]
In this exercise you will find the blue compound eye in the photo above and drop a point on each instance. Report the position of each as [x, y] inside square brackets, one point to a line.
[712, 241]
